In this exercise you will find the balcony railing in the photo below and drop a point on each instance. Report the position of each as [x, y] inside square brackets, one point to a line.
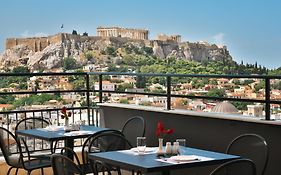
[13, 116]
[89, 88]
[267, 100]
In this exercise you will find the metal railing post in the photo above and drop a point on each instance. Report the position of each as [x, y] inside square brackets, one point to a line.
[88, 97]
[168, 92]
[267, 98]
[100, 88]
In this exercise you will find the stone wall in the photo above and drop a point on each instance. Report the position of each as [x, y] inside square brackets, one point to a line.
[163, 37]
[35, 43]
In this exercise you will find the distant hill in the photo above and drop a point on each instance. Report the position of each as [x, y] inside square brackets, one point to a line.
[45, 53]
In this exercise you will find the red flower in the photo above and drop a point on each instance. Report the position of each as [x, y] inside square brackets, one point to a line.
[161, 131]
[65, 114]
[170, 131]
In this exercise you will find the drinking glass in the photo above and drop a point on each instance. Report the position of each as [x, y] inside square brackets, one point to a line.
[181, 146]
[53, 123]
[53, 120]
[141, 144]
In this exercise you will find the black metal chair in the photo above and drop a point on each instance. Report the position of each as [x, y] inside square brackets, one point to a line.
[236, 167]
[14, 155]
[31, 123]
[63, 165]
[251, 146]
[88, 166]
[108, 141]
[134, 127]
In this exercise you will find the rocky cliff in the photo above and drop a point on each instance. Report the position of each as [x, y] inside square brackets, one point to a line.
[47, 53]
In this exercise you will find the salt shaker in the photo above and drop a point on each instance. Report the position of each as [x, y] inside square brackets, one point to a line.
[168, 148]
[175, 148]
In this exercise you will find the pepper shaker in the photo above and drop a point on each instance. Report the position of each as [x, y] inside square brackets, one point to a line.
[175, 148]
[168, 148]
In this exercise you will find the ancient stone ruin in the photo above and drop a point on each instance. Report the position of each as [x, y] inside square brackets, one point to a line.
[141, 34]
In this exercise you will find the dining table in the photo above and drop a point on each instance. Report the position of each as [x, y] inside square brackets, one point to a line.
[58, 133]
[150, 162]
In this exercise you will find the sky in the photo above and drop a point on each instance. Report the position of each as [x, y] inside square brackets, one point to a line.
[251, 29]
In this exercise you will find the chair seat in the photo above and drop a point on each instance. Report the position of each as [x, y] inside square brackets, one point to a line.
[37, 163]
[86, 168]
[41, 155]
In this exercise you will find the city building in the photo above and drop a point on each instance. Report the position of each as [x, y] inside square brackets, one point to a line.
[255, 110]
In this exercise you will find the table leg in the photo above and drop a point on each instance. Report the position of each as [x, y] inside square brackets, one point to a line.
[70, 144]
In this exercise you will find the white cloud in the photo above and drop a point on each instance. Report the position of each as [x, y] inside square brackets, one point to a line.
[219, 39]
[26, 34]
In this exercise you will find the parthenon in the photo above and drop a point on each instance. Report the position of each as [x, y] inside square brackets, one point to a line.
[141, 34]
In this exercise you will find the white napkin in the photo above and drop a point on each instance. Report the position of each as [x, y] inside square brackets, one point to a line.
[148, 150]
[54, 128]
[184, 159]
[75, 133]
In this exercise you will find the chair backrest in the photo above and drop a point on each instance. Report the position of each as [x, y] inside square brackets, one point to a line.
[62, 165]
[31, 123]
[10, 148]
[108, 141]
[134, 127]
[251, 146]
[87, 142]
[236, 167]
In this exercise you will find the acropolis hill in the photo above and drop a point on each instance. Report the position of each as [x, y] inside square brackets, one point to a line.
[40, 43]
[48, 52]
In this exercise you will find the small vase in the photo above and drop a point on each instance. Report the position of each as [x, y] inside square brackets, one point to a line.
[160, 151]
[66, 125]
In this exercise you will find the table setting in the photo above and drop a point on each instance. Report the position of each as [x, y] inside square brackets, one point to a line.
[171, 152]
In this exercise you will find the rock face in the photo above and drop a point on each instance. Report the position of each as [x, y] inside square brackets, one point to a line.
[48, 52]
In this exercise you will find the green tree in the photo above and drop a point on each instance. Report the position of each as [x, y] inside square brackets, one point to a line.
[277, 85]
[124, 101]
[110, 51]
[74, 32]
[88, 56]
[259, 86]
[124, 86]
[216, 93]
[241, 105]
[85, 34]
[69, 63]
[34, 99]
[147, 50]
[20, 69]
[6, 99]
[141, 82]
